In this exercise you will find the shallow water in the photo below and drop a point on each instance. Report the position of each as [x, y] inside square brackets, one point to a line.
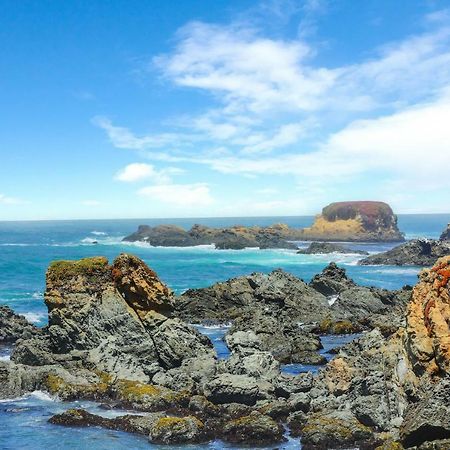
[26, 248]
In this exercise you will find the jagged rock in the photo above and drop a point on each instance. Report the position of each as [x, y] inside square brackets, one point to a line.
[280, 336]
[110, 318]
[14, 326]
[332, 280]
[445, 236]
[278, 293]
[177, 430]
[418, 252]
[320, 248]
[256, 429]
[162, 236]
[293, 384]
[355, 221]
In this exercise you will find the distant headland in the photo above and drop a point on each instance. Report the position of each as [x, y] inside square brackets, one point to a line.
[354, 221]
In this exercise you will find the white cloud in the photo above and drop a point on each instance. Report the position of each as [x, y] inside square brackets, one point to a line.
[6, 200]
[142, 171]
[183, 195]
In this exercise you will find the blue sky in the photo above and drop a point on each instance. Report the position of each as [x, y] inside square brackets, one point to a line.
[132, 108]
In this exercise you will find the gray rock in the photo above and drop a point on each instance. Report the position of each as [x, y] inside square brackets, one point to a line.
[445, 236]
[177, 430]
[321, 248]
[332, 280]
[429, 418]
[14, 326]
[231, 388]
[418, 252]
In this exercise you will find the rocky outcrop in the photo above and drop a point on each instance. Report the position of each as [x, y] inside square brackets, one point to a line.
[332, 280]
[355, 221]
[418, 252]
[321, 248]
[236, 237]
[111, 318]
[14, 326]
[445, 236]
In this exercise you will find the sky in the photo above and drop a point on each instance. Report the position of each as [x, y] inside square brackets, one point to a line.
[193, 108]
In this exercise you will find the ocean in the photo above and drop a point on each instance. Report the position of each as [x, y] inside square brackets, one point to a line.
[26, 249]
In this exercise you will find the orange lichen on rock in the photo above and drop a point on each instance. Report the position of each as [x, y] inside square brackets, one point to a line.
[428, 319]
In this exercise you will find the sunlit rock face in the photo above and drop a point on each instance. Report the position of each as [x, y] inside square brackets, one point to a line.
[355, 221]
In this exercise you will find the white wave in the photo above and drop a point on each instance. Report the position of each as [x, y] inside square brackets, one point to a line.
[44, 396]
[5, 358]
[34, 317]
[37, 295]
[225, 326]
[99, 233]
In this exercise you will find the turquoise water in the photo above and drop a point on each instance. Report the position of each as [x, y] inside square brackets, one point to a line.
[26, 248]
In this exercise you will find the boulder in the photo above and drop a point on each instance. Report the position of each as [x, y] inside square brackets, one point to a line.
[254, 429]
[177, 430]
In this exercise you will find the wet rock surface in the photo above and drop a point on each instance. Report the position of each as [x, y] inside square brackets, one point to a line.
[418, 252]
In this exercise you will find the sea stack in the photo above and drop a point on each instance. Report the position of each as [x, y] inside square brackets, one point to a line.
[355, 221]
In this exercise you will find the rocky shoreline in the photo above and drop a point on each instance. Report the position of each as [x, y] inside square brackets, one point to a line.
[119, 336]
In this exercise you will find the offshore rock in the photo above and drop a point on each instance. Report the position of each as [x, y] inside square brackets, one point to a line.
[355, 221]
[418, 252]
[236, 237]
[321, 248]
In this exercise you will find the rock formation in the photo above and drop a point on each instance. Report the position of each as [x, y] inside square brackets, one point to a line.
[418, 252]
[110, 339]
[355, 221]
[344, 221]
[320, 248]
[236, 238]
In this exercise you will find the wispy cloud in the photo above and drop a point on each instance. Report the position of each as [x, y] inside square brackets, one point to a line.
[6, 200]
[142, 171]
[181, 195]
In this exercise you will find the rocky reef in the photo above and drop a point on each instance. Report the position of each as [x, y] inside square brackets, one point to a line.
[14, 326]
[344, 221]
[236, 238]
[118, 335]
[418, 252]
[322, 248]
